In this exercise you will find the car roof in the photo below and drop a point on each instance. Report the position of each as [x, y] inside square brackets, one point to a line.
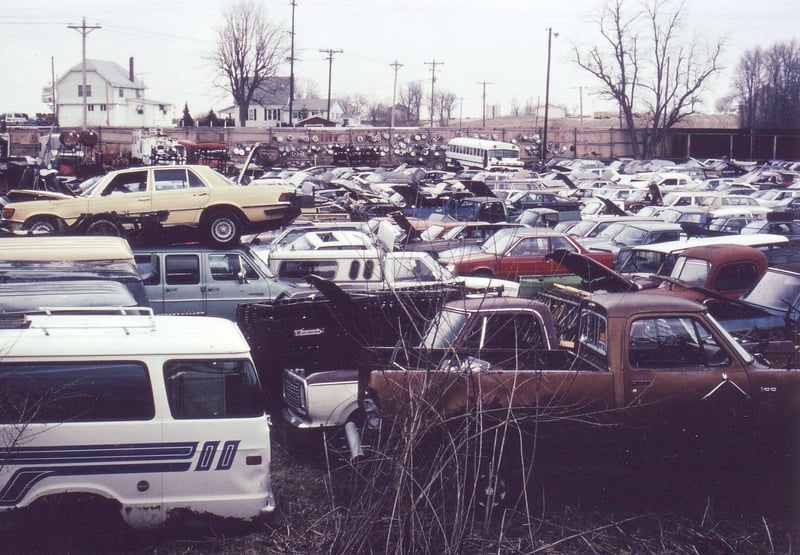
[752, 239]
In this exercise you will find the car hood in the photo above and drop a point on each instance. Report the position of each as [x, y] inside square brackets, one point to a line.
[24, 195]
[597, 276]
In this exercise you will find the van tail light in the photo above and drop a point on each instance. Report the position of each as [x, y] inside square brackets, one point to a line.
[252, 460]
[285, 197]
[8, 213]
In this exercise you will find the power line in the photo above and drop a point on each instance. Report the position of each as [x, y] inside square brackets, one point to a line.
[330, 52]
[291, 68]
[484, 83]
[433, 65]
[84, 30]
[396, 65]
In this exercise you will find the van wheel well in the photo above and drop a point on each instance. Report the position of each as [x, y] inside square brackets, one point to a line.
[482, 272]
[75, 511]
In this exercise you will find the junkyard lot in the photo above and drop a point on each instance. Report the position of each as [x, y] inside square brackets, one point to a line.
[585, 507]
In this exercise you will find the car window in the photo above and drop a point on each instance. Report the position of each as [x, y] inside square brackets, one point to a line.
[531, 246]
[212, 389]
[128, 182]
[226, 267]
[75, 392]
[182, 269]
[170, 179]
[562, 243]
[673, 343]
[149, 268]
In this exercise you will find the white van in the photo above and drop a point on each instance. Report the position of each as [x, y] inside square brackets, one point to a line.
[162, 415]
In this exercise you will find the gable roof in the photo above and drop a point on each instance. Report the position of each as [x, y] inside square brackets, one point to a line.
[112, 72]
[274, 91]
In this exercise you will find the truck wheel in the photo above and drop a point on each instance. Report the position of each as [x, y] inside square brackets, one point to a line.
[43, 224]
[222, 228]
[103, 226]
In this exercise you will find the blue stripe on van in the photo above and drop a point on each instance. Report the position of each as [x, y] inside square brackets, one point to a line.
[24, 479]
[83, 460]
[98, 453]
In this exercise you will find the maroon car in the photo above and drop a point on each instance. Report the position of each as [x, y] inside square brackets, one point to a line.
[523, 253]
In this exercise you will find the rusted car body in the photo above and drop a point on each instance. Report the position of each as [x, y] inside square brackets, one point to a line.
[650, 365]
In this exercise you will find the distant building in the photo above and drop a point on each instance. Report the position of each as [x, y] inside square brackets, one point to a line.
[553, 112]
[270, 106]
[114, 98]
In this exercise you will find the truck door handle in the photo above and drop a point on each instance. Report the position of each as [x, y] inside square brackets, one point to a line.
[200, 195]
[170, 289]
[212, 289]
[637, 383]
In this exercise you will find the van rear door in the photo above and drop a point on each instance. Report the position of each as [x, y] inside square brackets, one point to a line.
[174, 282]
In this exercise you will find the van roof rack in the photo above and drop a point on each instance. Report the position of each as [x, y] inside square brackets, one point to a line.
[41, 318]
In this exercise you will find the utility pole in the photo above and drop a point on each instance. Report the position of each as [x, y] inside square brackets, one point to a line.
[484, 83]
[433, 65]
[291, 70]
[84, 30]
[330, 52]
[396, 65]
[546, 95]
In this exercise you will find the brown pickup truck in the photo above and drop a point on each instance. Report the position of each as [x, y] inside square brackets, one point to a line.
[655, 366]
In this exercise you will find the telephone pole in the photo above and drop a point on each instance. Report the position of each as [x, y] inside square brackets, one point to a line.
[484, 83]
[84, 30]
[396, 65]
[291, 70]
[433, 65]
[330, 52]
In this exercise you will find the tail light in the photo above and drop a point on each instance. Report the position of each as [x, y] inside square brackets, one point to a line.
[8, 213]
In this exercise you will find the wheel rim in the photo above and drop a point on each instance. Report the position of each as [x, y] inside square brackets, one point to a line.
[223, 229]
[103, 227]
[43, 227]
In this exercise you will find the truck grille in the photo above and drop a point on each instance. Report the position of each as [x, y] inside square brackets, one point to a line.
[293, 392]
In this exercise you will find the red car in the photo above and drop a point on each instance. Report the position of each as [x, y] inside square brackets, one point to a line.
[522, 253]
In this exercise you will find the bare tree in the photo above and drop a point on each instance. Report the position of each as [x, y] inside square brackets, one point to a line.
[516, 107]
[444, 103]
[412, 99]
[249, 50]
[378, 112]
[643, 63]
[354, 103]
[768, 86]
[305, 88]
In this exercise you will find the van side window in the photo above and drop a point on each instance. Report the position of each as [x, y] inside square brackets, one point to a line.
[182, 269]
[74, 392]
[212, 389]
[369, 268]
[226, 267]
[354, 267]
[149, 265]
[298, 269]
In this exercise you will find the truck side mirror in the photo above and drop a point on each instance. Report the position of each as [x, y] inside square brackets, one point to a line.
[238, 269]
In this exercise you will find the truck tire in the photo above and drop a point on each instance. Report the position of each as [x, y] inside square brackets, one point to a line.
[221, 228]
[43, 224]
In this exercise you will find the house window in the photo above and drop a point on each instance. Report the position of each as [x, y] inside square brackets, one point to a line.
[138, 93]
[88, 90]
[90, 107]
[121, 93]
[251, 114]
[272, 114]
[102, 107]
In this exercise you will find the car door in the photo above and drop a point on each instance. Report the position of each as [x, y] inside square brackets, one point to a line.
[127, 193]
[184, 287]
[525, 258]
[680, 378]
[230, 280]
[179, 194]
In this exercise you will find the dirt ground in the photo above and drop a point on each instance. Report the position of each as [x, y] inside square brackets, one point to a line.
[581, 508]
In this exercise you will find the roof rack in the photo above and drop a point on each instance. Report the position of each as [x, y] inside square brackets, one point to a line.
[41, 318]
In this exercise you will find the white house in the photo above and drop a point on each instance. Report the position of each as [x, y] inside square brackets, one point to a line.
[270, 106]
[114, 98]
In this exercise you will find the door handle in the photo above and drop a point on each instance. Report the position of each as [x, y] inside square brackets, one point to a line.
[637, 383]
[143, 199]
[212, 289]
[170, 289]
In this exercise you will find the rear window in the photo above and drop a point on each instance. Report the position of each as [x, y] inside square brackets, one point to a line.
[212, 389]
[36, 392]
[298, 269]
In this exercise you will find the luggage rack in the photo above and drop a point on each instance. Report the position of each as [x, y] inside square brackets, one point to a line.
[40, 318]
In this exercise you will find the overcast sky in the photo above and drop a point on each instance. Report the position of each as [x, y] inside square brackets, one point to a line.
[502, 42]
